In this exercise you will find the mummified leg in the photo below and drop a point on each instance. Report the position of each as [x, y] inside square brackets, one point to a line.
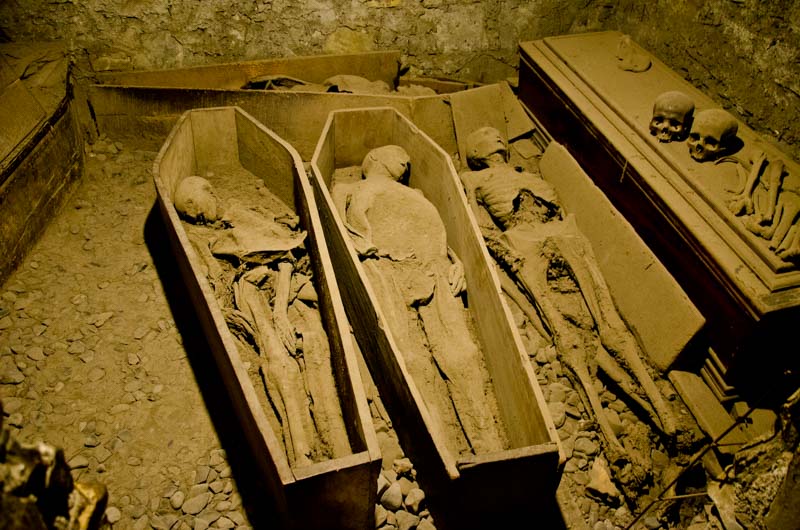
[410, 341]
[546, 279]
[281, 373]
[614, 334]
[460, 360]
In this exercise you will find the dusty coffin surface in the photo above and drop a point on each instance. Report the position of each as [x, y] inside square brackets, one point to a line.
[514, 479]
[375, 66]
[142, 106]
[341, 488]
[680, 206]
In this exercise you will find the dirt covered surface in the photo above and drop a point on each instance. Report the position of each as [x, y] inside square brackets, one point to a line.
[93, 360]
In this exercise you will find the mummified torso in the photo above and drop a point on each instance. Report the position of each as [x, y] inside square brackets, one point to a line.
[513, 198]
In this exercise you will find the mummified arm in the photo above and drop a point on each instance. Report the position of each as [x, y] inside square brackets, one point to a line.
[455, 275]
[280, 314]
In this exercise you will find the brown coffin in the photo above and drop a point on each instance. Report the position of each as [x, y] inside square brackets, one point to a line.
[481, 487]
[342, 490]
[601, 113]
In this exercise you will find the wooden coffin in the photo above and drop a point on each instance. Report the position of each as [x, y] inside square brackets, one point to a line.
[375, 66]
[341, 489]
[478, 486]
[41, 148]
[601, 113]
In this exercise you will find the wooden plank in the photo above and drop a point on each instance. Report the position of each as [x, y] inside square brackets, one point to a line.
[343, 487]
[34, 190]
[518, 123]
[473, 109]
[649, 299]
[22, 117]
[133, 112]
[375, 66]
[710, 415]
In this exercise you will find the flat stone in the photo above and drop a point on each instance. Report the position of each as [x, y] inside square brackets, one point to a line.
[586, 446]
[414, 500]
[216, 486]
[77, 347]
[392, 498]
[223, 506]
[9, 373]
[133, 359]
[35, 353]
[101, 454]
[558, 413]
[113, 514]
[402, 466]
[78, 462]
[380, 515]
[102, 318]
[195, 505]
[406, 485]
[406, 521]
[5, 322]
[96, 374]
[224, 522]
[382, 484]
[426, 524]
[201, 474]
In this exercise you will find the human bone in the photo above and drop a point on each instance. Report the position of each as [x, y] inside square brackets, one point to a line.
[712, 132]
[672, 116]
[195, 200]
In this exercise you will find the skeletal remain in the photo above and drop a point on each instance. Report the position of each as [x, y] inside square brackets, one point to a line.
[775, 216]
[281, 371]
[195, 200]
[554, 265]
[712, 133]
[672, 116]
[417, 278]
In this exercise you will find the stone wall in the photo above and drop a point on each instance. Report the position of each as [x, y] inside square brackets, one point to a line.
[743, 53]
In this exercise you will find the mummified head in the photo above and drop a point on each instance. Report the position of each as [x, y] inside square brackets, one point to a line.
[712, 133]
[196, 201]
[483, 143]
[387, 161]
[672, 116]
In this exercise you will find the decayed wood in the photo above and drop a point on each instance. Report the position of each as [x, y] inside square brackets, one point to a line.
[343, 487]
[375, 66]
[347, 137]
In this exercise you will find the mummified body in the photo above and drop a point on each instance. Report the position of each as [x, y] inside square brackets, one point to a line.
[257, 266]
[552, 262]
[402, 242]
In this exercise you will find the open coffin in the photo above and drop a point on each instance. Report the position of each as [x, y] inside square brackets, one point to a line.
[474, 484]
[236, 154]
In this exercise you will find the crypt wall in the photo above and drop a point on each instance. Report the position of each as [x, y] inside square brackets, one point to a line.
[744, 54]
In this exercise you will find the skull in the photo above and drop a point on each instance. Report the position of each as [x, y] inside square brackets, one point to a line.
[672, 116]
[712, 132]
[483, 143]
[195, 200]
